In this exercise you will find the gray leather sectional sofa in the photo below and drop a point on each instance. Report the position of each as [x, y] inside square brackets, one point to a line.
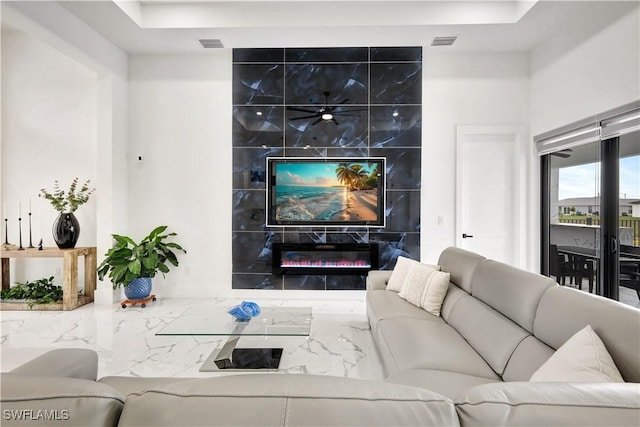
[468, 367]
[498, 325]
[60, 388]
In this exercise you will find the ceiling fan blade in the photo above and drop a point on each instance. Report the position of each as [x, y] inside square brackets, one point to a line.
[345, 115]
[304, 110]
[566, 153]
[335, 121]
[304, 117]
[349, 110]
[316, 121]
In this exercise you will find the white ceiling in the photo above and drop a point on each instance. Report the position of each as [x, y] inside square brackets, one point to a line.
[173, 26]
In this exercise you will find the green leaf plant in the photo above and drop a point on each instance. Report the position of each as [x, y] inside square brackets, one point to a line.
[69, 201]
[128, 260]
[41, 291]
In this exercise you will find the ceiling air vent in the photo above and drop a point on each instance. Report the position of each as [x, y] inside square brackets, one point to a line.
[443, 41]
[211, 43]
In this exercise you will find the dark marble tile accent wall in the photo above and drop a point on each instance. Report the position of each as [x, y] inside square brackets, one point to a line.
[327, 54]
[253, 56]
[322, 83]
[381, 87]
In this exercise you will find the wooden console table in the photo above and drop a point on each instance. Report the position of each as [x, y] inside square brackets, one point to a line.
[70, 298]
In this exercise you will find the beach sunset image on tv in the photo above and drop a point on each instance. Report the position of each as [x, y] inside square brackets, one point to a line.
[332, 192]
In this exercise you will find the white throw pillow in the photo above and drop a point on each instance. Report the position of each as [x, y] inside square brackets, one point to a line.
[399, 273]
[425, 287]
[434, 292]
[583, 358]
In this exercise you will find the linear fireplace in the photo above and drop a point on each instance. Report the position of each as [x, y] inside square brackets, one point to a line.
[330, 259]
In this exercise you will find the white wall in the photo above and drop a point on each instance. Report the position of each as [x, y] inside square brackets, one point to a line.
[49, 133]
[461, 89]
[68, 47]
[574, 78]
[180, 122]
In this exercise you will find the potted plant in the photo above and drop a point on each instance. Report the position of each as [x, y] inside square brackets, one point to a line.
[133, 265]
[66, 228]
[41, 291]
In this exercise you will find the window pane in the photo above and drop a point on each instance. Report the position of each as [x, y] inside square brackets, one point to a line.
[574, 229]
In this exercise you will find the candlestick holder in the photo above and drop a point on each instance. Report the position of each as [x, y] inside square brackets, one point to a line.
[30, 241]
[20, 248]
[6, 246]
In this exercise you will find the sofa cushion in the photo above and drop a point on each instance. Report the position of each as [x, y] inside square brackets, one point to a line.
[399, 273]
[286, 400]
[454, 294]
[530, 354]
[461, 264]
[47, 401]
[425, 287]
[583, 358]
[434, 284]
[415, 283]
[446, 383]
[383, 305]
[564, 311]
[550, 404]
[513, 292]
[492, 335]
[434, 293]
[406, 343]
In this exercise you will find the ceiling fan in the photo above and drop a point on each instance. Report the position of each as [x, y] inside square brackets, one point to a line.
[327, 113]
[566, 153]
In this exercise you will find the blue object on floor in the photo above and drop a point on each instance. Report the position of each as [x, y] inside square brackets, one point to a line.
[245, 310]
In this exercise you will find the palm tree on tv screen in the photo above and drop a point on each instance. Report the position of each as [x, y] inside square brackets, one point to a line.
[353, 176]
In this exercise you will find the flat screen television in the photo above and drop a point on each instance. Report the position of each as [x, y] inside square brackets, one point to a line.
[326, 191]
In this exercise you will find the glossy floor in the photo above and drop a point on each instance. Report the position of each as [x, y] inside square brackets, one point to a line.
[339, 344]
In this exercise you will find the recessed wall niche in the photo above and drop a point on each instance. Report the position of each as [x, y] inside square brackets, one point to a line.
[383, 85]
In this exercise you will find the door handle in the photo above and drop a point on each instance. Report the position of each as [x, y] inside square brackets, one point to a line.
[466, 236]
[614, 245]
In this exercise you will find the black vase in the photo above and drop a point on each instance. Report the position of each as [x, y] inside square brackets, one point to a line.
[66, 230]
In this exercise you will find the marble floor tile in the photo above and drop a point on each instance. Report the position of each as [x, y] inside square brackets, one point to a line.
[340, 342]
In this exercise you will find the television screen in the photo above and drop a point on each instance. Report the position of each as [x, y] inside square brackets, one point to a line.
[326, 191]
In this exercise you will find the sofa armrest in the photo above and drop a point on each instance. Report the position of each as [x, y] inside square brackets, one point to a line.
[64, 362]
[29, 400]
[552, 403]
[377, 279]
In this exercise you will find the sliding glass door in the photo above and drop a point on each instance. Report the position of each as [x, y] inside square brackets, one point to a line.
[590, 182]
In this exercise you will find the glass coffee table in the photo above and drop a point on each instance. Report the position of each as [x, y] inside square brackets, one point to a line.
[215, 321]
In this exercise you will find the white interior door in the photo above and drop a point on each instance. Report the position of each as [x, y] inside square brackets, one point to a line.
[490, 191]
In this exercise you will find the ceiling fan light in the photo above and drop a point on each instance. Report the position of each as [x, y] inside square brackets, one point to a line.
[327, 116]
